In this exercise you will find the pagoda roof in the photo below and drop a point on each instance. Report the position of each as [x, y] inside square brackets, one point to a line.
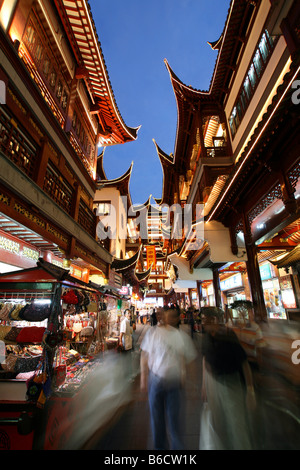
[227, 44]
[77, 19]
[140, 207]
[100, 169]
[121, 183]
[143, 276]
[167, 163]
[126, 264]
[290, 259]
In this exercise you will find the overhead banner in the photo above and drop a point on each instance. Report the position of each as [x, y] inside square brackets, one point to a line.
[151, 256]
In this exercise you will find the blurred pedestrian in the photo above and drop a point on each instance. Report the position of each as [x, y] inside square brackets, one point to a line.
[224, 362]
[126, 343]
[166, 351]
[153, 318]
[191, 320]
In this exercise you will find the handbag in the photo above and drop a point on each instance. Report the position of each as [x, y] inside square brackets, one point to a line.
[209, 440]
[70, 297]
[34, 312]
[60, 371]
[39, 385]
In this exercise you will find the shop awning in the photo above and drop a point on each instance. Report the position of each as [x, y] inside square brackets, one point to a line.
[44, 272]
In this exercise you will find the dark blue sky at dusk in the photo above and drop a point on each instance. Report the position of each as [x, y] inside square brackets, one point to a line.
[136, 36]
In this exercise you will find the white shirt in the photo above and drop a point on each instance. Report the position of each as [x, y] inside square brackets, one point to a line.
[125, 328]
[169, 350]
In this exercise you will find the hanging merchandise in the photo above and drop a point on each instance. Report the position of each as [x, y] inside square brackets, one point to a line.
[39, 386]
[34, 312]
[60, 370]
[70, 297]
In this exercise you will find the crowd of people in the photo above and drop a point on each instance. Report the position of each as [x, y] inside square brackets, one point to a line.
[166, 352]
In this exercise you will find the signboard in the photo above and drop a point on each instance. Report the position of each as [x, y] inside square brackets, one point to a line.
[124, 290]
[151, 256]
[287, 292]
[232, 282]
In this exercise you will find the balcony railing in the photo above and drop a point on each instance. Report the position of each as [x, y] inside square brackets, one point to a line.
[215, 152]
[58, 189]
[16, 145]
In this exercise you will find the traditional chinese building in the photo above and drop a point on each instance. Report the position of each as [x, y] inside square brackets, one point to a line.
[237, 154]
[57, 107]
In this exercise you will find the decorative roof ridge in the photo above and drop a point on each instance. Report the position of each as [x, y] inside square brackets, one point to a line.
[131, 132]
[175, 80]
[120, 179]
[124, 264]
[100, 168]
[215, 45]
[142, 276]
[142, 206]
[220, 42]
[163, 155]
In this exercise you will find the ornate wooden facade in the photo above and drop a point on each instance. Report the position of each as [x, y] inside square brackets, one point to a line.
[248, 175]
[59, 106]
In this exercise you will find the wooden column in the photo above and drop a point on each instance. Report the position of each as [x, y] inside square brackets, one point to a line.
[260, 312]
[199, 292]
[217, 287]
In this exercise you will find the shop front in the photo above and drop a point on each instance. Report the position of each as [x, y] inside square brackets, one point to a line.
[54, 331]
[232, 289]
[278, 291]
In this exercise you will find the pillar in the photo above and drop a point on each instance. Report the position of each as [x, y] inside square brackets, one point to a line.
[257, 294]
[217, 287]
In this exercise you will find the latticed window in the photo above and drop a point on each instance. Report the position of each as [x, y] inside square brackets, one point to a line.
[16, 145]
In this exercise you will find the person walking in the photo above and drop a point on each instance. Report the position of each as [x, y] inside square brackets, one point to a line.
[126, 332]
[223, 392]
[191, 320]
[165, 353]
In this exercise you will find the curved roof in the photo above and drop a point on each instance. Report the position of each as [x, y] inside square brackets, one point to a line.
[122, 265]
[290, 259]
[167, 163]
[121, 183]
[79, 25]
[143, 276]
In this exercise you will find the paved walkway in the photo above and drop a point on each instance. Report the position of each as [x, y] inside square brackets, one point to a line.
[130, 428]
[277, 424]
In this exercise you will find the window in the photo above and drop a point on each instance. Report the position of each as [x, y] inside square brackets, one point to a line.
[258, 63]
[103, 208]
[64, 100]
[74, 120]
[252, 76]
[59, 90]
[30, 36]
[53, 78]
[46, 66]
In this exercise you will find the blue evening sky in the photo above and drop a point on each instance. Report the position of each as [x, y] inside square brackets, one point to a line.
[136, 36]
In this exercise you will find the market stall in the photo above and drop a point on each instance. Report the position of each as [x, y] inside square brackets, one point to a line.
[53, 332]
